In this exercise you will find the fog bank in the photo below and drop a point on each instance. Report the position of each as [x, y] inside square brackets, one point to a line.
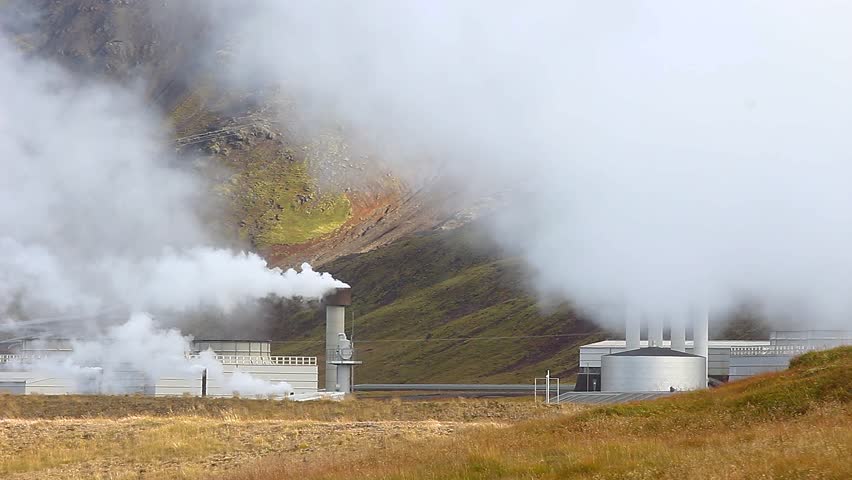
[661, 153]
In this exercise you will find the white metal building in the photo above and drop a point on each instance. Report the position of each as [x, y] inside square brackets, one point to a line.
[727, 360]
[20, 372]
[783, 346]
[23, 369]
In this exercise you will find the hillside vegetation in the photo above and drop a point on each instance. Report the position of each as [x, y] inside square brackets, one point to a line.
[445, 307]
[789, 425]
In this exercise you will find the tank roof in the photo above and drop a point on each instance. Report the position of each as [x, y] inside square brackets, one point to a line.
[652, 352]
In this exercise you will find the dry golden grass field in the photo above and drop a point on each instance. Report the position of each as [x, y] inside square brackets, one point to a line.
[101, 437]
[791, 425]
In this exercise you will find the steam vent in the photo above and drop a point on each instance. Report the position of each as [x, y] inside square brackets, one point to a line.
[340, 356]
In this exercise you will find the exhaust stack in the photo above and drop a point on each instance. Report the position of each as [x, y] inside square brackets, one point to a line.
[678, 333]
[700, 337]
[632, 326]
[335, 315]
[655, 332]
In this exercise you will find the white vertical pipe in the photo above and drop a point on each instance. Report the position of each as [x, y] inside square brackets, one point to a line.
[700, 336]
[678, 330]
[655, 331]
[335, 316]
[632, 324]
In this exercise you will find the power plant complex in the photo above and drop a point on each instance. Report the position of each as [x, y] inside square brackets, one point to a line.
[635, 368]
[677, 364]
[39, 366]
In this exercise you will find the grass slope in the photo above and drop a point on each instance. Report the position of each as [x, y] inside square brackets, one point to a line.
[789, 425]
[444, 307]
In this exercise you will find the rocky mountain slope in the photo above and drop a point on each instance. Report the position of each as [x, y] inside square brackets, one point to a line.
[293, 196]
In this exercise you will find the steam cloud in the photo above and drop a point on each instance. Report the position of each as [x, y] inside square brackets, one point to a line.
[107, 364]
[95, 213]
[661, 153]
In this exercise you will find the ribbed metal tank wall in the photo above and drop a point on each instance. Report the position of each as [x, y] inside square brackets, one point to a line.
[652, 374]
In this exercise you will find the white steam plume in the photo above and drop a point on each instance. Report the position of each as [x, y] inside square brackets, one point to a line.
[663, 152]
[96, 212]
[138, 353]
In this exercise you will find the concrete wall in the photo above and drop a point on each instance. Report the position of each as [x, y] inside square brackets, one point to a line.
[303, 378]
[13, 387]
[42, 383]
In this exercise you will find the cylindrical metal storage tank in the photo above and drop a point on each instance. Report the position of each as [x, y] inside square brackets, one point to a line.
[652, 370]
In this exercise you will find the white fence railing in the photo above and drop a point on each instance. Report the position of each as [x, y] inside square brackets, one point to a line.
[262, 360]
[770, 350]
[26, 357]
[225, 359]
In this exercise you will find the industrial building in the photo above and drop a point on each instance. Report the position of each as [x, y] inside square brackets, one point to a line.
[26, 372]
[29, 366]
[659, 365]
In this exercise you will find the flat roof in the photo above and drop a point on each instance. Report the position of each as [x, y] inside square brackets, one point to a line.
[689, 343]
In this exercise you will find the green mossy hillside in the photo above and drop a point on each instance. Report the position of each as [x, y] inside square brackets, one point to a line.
[270, 194]
[445, 307]
[277, 203]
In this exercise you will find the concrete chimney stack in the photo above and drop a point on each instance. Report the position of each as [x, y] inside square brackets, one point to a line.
[335, 316]
[700, 337]
[655, 332]
[632, 328]
[678, 332]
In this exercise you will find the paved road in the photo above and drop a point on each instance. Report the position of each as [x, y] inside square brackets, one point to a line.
[456, 387]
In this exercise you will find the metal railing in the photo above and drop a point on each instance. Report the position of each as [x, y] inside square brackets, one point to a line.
[770, 350]
[261, 360]
[547, 381]
[24, 357]
[340, 355]
[224, 359]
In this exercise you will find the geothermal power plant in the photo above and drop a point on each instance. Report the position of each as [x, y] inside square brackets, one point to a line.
[37, 366]
[632, 368]
[659, 365]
